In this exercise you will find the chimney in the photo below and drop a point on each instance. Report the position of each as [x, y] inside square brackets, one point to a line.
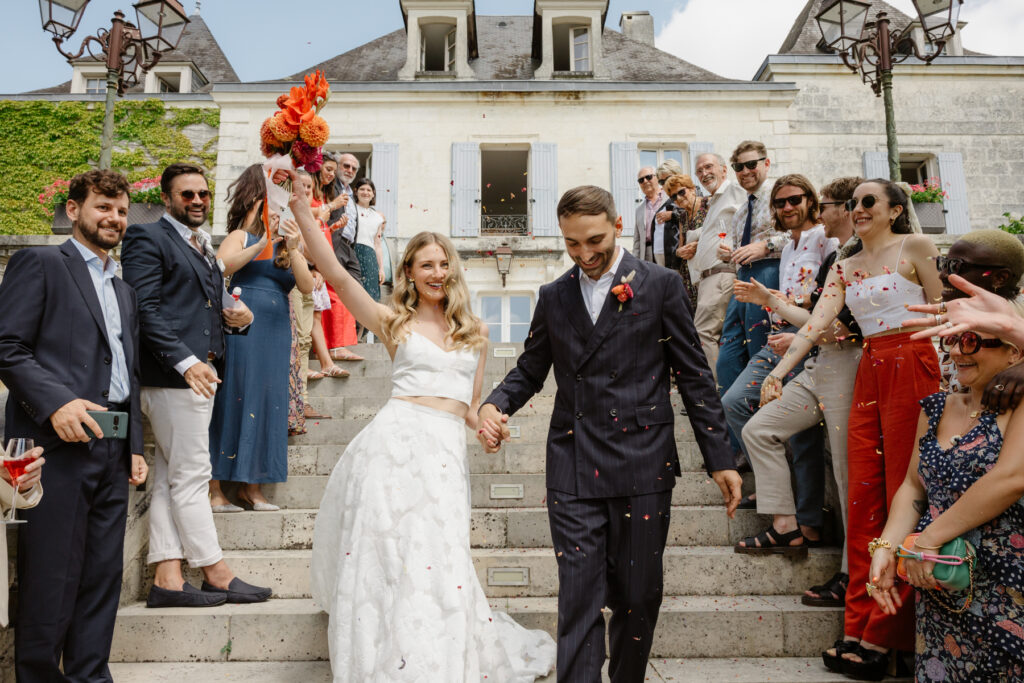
[638, 26]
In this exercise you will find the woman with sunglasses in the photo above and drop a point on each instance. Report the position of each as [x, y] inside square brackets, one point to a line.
[891, 269]
[688, 212]
[965, 479]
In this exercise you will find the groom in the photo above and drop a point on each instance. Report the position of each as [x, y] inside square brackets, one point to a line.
[611, 452]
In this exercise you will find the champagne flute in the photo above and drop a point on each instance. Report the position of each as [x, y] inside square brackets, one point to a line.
[15, 460]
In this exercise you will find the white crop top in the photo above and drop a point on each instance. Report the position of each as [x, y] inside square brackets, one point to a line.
[422, 368]
[879, 303]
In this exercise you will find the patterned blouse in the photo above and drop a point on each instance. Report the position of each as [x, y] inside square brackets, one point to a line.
[996, 615]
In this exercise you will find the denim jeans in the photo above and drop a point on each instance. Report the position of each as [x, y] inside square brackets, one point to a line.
[741, 402]
[746, 327]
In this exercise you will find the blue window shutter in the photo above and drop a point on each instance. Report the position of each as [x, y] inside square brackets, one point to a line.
[695, 150]
[876, 165]
[544, 188]
[624, 187]
[465, 189]
[951, 174]
[385, 179]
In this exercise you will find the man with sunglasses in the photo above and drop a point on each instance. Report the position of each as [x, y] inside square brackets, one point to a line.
[648, 236]
[754, 247]
[183, 319]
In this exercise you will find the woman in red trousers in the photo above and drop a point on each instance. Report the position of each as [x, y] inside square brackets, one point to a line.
[891, 269]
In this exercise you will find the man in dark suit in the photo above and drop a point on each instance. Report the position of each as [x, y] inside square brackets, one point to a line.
[180, 285]
[611, 452]
[69, 344]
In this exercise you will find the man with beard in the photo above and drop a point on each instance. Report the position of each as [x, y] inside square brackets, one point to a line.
[615, 328]
[347, 215]
[180, 287]
[69, 343]
[714, 279]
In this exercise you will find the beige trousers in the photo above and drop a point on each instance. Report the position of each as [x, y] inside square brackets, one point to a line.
[713, 296]
[303, 305]
[823, 390]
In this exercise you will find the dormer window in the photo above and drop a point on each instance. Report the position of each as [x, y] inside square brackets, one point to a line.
[95, 86]
[571, 47]
[437, 46]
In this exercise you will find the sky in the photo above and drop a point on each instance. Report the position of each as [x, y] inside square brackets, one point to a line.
[703, 32]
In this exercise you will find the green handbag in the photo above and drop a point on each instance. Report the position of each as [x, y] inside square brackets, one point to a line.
[953, 570]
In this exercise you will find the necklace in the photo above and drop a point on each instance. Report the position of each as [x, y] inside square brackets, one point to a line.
[972, 417]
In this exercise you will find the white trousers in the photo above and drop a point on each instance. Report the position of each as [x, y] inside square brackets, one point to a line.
[180, 518]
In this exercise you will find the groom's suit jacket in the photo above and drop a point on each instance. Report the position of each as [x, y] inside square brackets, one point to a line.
[612, 428]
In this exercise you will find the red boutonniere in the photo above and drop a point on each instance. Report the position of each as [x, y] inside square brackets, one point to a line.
[623, 292]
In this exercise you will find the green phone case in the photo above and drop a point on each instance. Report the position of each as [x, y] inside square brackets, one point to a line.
[114, 424]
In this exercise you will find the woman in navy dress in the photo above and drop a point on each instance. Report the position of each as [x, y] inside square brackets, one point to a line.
[966, 479]
[249, 429]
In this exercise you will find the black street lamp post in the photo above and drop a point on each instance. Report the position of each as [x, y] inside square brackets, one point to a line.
[125, 47]
[871, 49]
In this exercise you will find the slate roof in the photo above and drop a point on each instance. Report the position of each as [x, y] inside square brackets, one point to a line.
[505, 44]
[197, 45]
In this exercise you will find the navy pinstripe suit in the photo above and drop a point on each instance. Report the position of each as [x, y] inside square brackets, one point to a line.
[611, 453]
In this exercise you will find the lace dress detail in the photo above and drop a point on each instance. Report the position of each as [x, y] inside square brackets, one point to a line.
[987, 641]
[391, 554]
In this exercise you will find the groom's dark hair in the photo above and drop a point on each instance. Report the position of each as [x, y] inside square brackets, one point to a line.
[587, 200]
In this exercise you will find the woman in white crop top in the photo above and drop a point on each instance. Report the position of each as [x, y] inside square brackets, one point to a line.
[892, 269]
[391, 560]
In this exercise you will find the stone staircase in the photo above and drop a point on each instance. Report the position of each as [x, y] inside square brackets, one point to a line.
[725, 616]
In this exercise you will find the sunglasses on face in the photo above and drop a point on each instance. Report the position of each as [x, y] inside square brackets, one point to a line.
[867, 201]
[644, 178]
[350, 167]
[749, 165]
[189, 195]
[680, 193]
[795, 200]
[954, 266]
[970, 342]
[837, 203]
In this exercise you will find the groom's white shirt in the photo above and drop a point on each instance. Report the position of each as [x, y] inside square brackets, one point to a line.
[595, 291]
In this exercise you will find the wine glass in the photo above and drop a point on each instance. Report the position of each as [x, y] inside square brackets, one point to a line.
[15, 460]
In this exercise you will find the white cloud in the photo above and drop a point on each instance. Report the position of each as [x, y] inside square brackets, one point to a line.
[732, 37]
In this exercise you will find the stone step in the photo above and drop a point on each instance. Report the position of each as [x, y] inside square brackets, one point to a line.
[499, 490]
[292, 529]
[533, 572]
[733, 669]
[294, 630]
[515, 457]
[369, 386]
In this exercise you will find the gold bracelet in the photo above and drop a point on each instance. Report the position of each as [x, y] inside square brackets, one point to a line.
[877, 543]
[926, 547]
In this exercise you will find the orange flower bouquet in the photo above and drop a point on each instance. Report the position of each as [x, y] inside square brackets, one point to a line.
[296, 129]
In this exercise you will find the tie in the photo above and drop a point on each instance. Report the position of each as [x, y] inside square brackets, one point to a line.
[747, 225]
[201, 243]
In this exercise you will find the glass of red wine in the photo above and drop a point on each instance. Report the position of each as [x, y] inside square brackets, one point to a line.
[15, 459]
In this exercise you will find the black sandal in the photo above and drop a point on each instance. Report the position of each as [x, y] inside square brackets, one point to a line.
[772, 542]
[830, 594]
[748, 503]
[874, 665]
[835, 662]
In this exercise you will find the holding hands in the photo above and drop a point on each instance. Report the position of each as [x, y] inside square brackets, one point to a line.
[493, 428]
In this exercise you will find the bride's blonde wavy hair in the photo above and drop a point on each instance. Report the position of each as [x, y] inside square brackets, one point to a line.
[463, 326]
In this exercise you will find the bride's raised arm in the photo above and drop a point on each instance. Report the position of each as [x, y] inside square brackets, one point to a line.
[351, 292]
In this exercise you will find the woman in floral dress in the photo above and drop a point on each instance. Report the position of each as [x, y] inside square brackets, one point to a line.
[962, 481]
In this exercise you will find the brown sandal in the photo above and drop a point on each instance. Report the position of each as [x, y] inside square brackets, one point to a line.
[335, 371]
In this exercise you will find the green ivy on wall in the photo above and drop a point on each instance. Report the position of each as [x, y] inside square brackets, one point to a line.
[42, 141]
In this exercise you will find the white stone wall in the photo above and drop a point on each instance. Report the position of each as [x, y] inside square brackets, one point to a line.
[582, 124]
[975, 110]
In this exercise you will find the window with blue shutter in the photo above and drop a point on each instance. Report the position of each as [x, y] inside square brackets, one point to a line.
[544, 189]
[624, 187]
[384, 175]
[465, 187]
[876, 165]
[951, 175]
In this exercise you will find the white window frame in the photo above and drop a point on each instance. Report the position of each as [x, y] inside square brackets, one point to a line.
[583, 63]
[505, 324]
[100, 89]
[660, 149]
[928, 160]
[451, 49]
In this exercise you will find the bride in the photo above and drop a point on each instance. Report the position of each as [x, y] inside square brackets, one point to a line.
[391, 561]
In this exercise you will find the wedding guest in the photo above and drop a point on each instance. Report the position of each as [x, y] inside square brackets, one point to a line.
[795, 209]
[711, 276]
[648, 240]
[330, 207]
[890, 270]
[369, 228]
[822, 392]
[965, 480]
[249, 429]
[24, 493]
[688, 215]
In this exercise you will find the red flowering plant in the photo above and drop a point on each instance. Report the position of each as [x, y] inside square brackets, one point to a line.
[928, 192]
[622, 291]
[296, 129]
[145, 191]
[54, 194]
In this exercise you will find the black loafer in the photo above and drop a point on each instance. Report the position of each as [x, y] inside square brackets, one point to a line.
[239, 592]
[189, 596]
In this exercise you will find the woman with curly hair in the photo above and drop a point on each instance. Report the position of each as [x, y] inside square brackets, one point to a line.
[391, 560]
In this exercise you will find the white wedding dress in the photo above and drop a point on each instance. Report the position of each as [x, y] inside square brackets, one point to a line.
[391, 561]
